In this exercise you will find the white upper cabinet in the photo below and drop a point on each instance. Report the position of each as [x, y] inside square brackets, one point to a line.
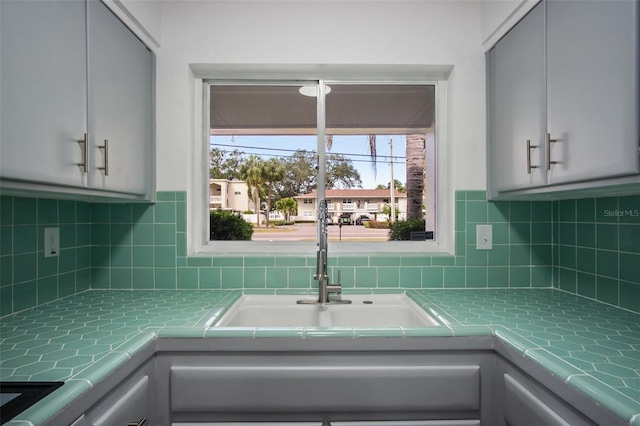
[516, 93]
[562, 89]
[73, 76]
[592, 89]
[43, 91]
[120, 92]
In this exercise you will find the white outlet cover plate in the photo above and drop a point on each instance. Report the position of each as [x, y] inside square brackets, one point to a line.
[51, 242]
[484, 237]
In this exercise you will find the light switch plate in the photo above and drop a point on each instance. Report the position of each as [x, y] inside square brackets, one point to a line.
[484, 237]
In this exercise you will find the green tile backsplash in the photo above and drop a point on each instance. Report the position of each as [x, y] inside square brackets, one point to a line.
[590, 247]
[27, 278]
[597, 250]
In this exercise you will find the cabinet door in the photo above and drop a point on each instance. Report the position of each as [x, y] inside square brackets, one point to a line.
[592, 76]
[516, 93]
[43, 91]
[522, 408]
[120, 79]
[131, 408]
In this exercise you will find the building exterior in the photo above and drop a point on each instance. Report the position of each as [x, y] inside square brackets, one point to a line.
[352, 203]
[233, 195]
[230, 195]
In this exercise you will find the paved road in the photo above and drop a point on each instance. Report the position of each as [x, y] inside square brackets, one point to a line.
[307, 232]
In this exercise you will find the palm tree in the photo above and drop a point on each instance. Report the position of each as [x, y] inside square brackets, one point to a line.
[288, 206]
[252, 172]
[273, 171]
[415, 174]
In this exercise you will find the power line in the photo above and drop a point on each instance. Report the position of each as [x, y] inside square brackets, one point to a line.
[291, 156]
[295, 150]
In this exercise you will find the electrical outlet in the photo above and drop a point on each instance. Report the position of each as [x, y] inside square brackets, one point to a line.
[51, 242]
[484, 237]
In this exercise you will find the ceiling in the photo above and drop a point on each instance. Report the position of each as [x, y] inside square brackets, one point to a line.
[350, 109]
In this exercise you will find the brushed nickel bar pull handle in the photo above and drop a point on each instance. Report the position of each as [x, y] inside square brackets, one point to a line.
[142, 422]
[548, 141]
[84, 165]
[106, 157]
[529, 148]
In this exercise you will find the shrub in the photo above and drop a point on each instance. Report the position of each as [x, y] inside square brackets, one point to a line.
[373, 224]
[226, 226]
[401, 230]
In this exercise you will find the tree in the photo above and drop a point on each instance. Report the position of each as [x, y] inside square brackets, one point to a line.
[415, 175]
[399, 186]
[300, 175]
[415, 171]
[386, 210]
[252, 172]
[273, 172]
[288, 206]
[372, 154]
[341, 174]
[225, 164]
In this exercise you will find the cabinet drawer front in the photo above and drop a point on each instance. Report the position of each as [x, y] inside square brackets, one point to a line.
[411, 423]
[325, 389]
[521, 407]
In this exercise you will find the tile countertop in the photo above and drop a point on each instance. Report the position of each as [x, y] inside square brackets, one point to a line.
[83, 338]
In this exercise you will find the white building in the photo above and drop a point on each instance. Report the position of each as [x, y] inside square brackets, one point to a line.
[229, 195]
[355, 202]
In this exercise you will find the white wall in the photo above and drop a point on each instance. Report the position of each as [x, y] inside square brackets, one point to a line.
[315, 32]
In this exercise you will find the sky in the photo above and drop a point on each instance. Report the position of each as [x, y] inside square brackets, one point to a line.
[355, 148]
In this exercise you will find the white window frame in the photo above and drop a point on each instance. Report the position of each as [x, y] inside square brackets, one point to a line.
[198, 192]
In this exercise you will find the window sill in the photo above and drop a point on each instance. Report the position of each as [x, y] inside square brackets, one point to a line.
[280, 248]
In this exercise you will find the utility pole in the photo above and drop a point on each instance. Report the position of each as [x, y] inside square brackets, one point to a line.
[392, 184]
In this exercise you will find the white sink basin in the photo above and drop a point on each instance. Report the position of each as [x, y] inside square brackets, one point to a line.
[380, 310]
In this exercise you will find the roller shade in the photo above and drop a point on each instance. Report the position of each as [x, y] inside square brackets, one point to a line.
[350, 108]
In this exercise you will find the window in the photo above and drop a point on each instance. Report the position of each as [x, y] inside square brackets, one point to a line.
[359, 118]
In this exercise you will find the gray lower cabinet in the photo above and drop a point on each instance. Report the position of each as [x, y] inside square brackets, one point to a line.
[324, 382]
[411, 423]
[521, 407]
[131, 406]
[126, 397]
[286, 383]
[323, 389]
[371, 423]
[520, 400]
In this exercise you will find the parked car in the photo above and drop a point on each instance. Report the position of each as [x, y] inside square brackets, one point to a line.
[362, 219]
[345, 219]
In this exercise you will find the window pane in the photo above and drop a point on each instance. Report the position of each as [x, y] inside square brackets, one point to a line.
[391, 126]
[264, 161]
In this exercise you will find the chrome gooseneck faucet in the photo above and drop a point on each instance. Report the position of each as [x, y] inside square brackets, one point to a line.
[324, 288]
